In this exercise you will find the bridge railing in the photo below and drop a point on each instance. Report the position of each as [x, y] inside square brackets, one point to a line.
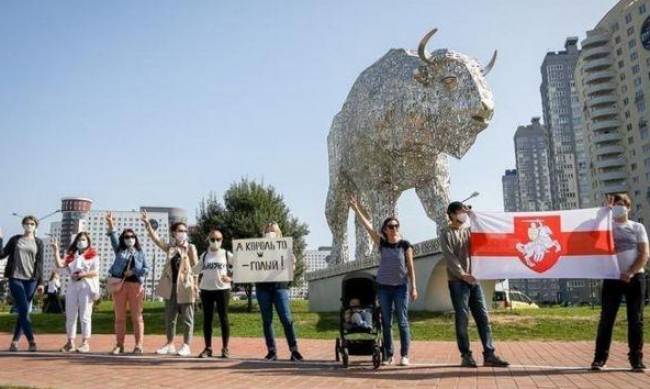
[421, 249]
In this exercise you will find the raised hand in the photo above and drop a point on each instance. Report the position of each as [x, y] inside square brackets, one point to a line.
[55, 245]
[109, 220]
[144, 217]
[1, 236]
[353, 201]
[609, 201]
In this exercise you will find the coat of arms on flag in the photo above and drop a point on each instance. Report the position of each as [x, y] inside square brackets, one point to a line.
[555, 244]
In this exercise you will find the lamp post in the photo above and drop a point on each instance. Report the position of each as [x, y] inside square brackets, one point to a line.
[154, 226]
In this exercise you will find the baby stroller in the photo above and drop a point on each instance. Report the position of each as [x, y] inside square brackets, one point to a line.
[360, 324]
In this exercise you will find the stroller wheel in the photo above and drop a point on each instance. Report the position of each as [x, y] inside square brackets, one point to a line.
[336, 350]
[345, 356]
[376, 357]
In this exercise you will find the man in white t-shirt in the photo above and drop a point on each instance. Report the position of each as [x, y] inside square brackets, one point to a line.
[631, 244]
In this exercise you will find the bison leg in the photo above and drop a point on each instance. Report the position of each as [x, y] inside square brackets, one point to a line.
[434, 194]
[336, 213]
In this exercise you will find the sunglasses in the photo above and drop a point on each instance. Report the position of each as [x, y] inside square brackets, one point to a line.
[181, 230]
[216, 239]
[129, 236]
[29, 224]
[392, 226]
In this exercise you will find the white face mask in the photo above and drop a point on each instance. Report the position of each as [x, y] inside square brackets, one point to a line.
[216, 245]
[29, 228]
[82, 244]
[181, 237]
[129, 242]
[619, 211]
[271, 234]
[461, 217]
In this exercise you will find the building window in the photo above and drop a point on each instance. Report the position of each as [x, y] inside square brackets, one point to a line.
[642, 9]
[630, 31]
[621, 64]
[617, 39]
[628, 18]
[635, 69]
[634, 56]
[631, 43]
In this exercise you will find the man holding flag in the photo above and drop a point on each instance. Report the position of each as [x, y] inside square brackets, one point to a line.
[631, 244]
[466, 293]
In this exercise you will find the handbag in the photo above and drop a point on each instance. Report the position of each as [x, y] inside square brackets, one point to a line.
[114, 284]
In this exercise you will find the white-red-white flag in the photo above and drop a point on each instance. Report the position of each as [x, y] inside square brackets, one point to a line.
[555, 244]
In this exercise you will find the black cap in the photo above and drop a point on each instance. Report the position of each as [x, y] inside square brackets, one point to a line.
[454, 207]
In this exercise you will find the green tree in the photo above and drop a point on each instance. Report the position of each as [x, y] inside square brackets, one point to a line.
[247, 207]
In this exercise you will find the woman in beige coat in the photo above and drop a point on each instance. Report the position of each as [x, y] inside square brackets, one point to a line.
[177, 285]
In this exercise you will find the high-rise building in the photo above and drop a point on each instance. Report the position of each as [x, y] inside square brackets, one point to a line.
[532, 158]
[568, 164]
[510, 191]
[78, 216]
[613, 81]
[314, 260]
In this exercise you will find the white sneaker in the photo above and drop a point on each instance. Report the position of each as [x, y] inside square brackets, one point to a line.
[387, 361]
[166, 349]
[84, 348]
[404, 361]
[185, 351]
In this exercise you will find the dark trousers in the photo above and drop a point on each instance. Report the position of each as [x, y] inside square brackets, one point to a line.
[22, 292]
[220, 298]
[467, 298]
[612, 294]
[267, 297]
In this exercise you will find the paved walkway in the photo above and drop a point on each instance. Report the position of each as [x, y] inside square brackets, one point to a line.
[434, 364]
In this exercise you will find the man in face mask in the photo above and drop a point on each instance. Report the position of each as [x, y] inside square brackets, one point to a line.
[466, 293]
[631, 245]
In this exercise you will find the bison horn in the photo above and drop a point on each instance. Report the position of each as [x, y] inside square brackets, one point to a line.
[422, 46]
[490, 64]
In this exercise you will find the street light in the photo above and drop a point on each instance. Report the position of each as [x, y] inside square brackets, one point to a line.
[474, 194]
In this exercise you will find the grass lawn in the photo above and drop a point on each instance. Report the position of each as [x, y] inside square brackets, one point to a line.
[573, 323]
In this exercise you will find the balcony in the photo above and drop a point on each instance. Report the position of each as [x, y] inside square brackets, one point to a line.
[601, 112]
[614, 188]
[600, 87]
[598, 63]
[596, 38]
[595, 52]
[607, 137]
[612, 175]
[605, 124]
[609, 150]
[610, 163]
[602, 75]
[601, 100]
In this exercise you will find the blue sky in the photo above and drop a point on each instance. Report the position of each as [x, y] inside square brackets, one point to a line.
[160, 102]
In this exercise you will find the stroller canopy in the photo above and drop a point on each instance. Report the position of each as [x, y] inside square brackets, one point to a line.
[359, 285]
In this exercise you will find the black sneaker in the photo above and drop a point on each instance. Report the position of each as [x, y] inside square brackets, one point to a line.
[206, 353]
[295, 356]
[637, 366]
[467, 360]
[13, 347]
[271, 356]
[32, 347]
[598, 364]
[494, 361]
[225, 353]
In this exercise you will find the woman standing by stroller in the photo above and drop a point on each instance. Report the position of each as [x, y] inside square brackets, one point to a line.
[394, 276]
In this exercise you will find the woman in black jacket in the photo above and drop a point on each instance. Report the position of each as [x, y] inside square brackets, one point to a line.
[25, 273]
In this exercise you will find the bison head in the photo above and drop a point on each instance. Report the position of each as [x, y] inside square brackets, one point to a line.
[455, 85]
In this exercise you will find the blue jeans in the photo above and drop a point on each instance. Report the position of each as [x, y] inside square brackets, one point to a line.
[267, 297]
[468, 298]
[394, 297]
[22, 292]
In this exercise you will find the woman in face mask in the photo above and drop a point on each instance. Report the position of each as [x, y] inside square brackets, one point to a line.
[177, 285]
[215, 272]
[276, 293]
[631, 245]
[130, 265]
[81, 262]
[24, 269]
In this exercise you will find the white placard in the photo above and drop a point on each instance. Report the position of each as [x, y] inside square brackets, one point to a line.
[262, 260]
